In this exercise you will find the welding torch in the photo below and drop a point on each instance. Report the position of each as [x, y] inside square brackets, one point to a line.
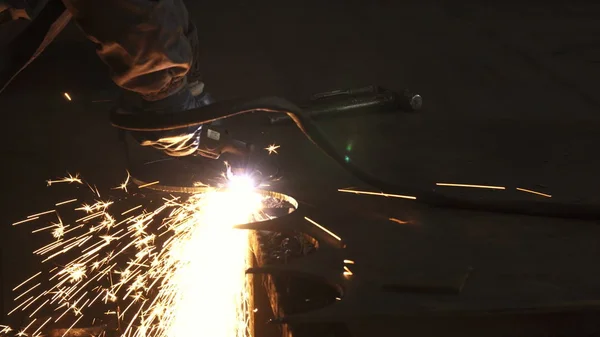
[215, 141]
[363, 100]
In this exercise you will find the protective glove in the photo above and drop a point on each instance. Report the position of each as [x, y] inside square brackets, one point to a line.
[175, 143]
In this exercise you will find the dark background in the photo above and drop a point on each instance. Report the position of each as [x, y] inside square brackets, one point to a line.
[510, 98]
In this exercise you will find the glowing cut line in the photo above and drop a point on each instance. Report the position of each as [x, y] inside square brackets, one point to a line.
[534, 192]
[381, 194]
[323, 229]
[472, 186]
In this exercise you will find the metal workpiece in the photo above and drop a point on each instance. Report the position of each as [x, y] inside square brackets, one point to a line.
[332, 266]
[440, 275]
[324, 264]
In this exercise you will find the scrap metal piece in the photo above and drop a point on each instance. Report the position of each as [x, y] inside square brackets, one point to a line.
[322, 265]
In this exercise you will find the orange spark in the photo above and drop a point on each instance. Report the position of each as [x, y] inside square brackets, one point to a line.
[472, 186]
[65, 202]
[378, 194]
[534, 192]
[131, 209]
[29, 325]
[26, 220]
[323, 229]
[19, 306]
[149, 184]
[41, 326]
[124, 184]
[67, 96]
[272, 148]
[69, 179]
[402, 222]
[27, 280]
[26, 291]
[37, 215]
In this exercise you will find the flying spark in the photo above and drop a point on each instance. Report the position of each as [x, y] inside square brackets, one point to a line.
[534, 192]
[472, 186]
[149, 184]
[272, 148]
[27, 280]
[67, 96]
[37, 215]
[402, 222]
[68, 179]
[154, 269]
[26, 220]
[123, 185]
[323, 229]
[65, 202]
[378, 194]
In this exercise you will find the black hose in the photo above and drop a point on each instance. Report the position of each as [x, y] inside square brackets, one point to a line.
[220, 110]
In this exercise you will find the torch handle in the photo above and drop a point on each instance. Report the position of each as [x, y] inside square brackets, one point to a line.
[371, 99]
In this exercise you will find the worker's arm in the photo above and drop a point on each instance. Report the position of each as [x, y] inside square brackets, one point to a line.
[150, 47]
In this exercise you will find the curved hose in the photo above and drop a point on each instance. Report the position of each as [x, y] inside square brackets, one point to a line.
[216, 111]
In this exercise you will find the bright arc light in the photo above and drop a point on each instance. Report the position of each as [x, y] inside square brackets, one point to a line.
[208, 286]
[240, 183]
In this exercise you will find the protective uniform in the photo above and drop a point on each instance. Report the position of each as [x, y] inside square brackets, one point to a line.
[149, 46]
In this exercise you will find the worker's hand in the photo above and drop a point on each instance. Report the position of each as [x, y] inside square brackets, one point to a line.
[176, 143]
